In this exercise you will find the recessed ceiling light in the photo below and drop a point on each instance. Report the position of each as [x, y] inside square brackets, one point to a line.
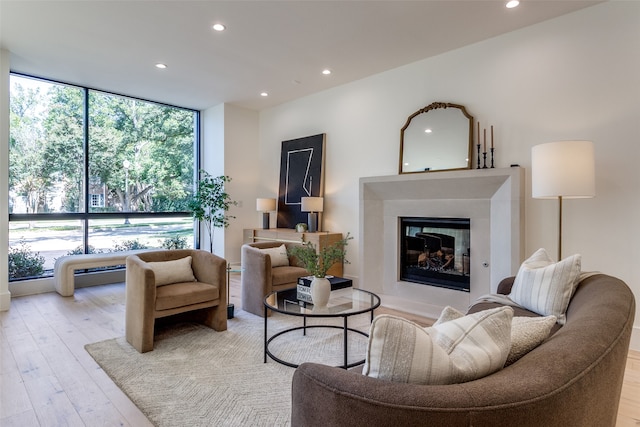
[161, 65]
[326, 71]
[219, 27]
[513, 3]
[428, 131]
[264, 94]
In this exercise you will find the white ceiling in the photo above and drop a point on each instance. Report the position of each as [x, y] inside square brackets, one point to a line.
[279, 47]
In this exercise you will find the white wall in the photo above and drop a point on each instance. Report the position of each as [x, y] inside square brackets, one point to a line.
[242, 165]
[213, 151]
[574, 77]
[229, 147]
[5, 296]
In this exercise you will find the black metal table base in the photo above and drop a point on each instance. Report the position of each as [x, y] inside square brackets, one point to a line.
[373, 303]
[345, 365]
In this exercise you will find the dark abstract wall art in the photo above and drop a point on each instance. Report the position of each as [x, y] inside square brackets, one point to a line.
[301, 175]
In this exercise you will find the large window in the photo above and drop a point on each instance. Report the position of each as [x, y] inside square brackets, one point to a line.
[95, 172]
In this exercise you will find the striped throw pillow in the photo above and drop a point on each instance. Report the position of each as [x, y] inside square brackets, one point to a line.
[526, 332]
[546, 287]
[453, 352]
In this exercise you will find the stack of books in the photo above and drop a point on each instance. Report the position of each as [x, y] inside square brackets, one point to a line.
[304, 286]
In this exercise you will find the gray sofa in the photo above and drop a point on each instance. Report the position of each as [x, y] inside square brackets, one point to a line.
[574, 378]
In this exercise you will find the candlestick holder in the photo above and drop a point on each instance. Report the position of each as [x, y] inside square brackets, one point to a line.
[492, 149]
[478, 157]
[484, 157]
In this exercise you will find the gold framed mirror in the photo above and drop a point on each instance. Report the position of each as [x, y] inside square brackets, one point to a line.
[435, 138]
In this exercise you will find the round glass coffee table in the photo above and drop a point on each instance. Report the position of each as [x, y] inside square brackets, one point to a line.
[343, 303]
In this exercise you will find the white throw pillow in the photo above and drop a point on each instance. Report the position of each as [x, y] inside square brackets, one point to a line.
[278, 256]
[176, 271]
[453, 352]
[448, 313]
[526, 332]
[546, 287]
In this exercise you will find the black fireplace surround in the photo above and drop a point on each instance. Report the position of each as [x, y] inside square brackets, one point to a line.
[435, 251]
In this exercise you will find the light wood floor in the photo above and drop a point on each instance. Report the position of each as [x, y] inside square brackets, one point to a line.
[48, 379]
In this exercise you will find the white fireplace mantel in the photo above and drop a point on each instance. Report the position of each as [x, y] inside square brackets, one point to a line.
[493, 200]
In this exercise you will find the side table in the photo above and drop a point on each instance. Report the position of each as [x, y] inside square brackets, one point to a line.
[231, 269]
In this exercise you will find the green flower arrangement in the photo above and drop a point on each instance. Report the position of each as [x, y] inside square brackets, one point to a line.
[317, 264]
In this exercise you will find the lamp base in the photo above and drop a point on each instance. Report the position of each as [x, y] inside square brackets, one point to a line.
[265, 220]
[230, 309]
[313, 222]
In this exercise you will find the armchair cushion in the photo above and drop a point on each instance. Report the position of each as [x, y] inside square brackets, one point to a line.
[287, 275]
[183, 294]
[176, 271]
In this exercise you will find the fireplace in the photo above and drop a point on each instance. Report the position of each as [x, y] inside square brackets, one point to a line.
[435, 252]
[493, 200]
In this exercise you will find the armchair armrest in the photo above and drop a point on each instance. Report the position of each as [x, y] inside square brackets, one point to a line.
[140, 301]
[257, 267]
[210, 268]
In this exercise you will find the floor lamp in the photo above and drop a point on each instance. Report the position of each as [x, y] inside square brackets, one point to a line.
[563, 170]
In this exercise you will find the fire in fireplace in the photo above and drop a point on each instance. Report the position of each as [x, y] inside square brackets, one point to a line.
[435, 251]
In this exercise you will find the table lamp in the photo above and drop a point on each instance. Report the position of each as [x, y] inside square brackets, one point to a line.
[265, 206]
[563, 170]
[313, 205]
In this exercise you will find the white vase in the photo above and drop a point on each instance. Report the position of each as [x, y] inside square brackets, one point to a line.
[320, 291]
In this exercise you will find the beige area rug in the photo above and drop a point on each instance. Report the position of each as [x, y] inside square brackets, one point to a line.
[196, 376]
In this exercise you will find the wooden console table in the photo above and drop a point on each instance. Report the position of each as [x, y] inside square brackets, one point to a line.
[320, 240]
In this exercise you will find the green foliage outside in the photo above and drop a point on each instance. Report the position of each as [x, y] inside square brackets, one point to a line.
[47, 158]
[46, 151]
[175, 242]
[129, 245]
[316, 263]
[79, 250]
[23, 262]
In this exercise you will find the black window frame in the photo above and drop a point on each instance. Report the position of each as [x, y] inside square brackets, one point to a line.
[86, 216]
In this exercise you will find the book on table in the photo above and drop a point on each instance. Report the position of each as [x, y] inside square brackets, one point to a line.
[304, 286]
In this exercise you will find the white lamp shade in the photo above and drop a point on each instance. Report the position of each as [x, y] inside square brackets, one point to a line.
[563, 168]
[265, 205]
[312, 204]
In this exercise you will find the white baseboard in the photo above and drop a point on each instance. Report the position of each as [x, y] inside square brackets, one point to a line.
[45, 284]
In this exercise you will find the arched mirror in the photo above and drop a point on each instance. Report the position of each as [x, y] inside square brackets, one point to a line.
[435, 138]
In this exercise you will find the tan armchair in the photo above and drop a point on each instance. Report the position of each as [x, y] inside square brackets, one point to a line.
[157, 288]
[259, 278]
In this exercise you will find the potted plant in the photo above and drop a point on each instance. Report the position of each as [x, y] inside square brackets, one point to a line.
[209, 206]
[318, 263]
[210, 203]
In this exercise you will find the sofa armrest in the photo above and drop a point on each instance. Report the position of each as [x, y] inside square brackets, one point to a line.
[505, 285]
[324, 395]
